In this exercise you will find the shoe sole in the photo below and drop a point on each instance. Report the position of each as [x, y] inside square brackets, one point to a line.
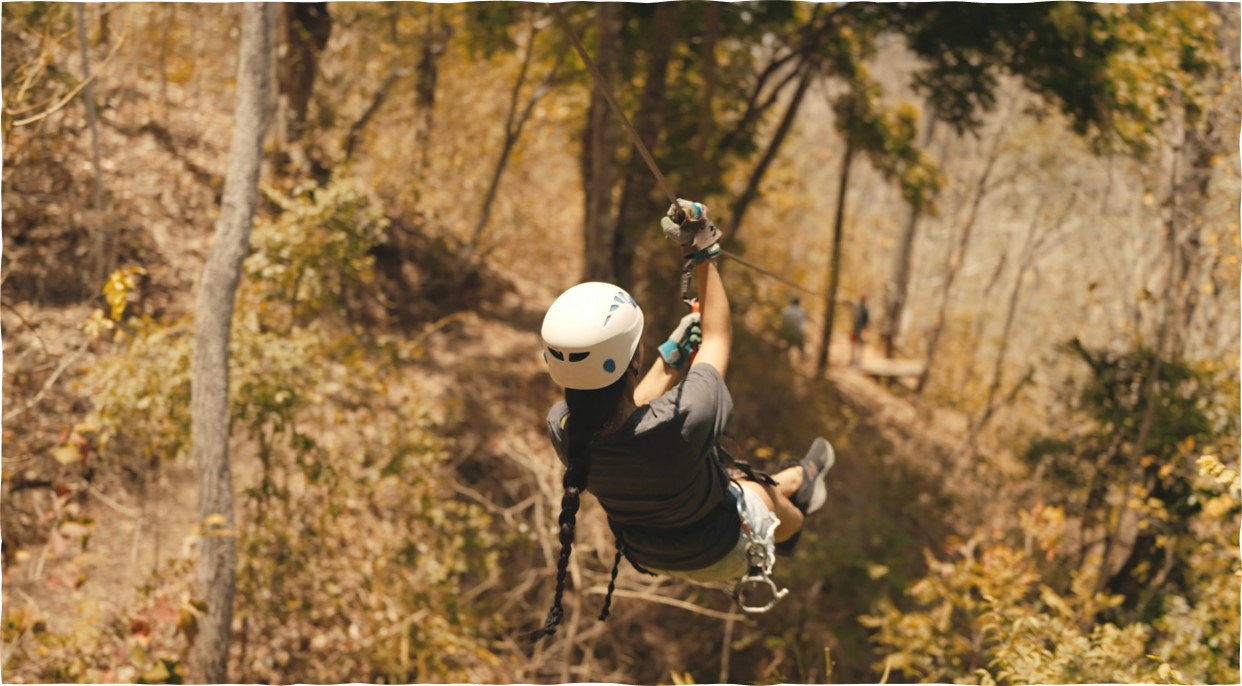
[820, 494]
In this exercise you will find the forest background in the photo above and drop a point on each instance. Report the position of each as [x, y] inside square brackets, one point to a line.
[1038, 457]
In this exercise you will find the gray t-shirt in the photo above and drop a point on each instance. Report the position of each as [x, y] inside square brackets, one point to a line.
[793, 323]
[658, 478]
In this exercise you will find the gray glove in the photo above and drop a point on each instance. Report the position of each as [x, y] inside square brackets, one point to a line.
[683, 342]
[687, 223]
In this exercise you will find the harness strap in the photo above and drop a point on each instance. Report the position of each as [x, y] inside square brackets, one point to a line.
[757, 585]
[728, 462]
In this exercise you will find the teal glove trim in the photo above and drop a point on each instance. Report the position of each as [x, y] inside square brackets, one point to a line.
[672, 353]
[711, 252]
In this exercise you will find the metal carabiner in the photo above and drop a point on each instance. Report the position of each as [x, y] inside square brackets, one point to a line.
[743, 590]
[757, 578]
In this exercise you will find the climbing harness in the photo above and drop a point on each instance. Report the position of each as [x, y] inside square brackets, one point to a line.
[687, 270]
[755, 592]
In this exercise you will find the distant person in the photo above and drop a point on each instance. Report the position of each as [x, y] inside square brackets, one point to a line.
[862, 317]
[793, 324]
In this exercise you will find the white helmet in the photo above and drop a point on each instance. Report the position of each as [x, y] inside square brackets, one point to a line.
[591, 333]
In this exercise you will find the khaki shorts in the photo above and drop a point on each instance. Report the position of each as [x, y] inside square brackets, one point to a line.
[763, 523]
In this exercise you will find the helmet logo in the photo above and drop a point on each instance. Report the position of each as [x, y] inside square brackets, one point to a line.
[610, 366]
[619, 299]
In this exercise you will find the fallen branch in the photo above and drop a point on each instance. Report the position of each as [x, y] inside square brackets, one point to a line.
[673, 602]
[33, 329]
[128, 512]
[46, 386]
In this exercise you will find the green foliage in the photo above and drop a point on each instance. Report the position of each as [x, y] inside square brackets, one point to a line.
[1114, 70]
[353, 562]
[1039, 605]
[988, 615]
[888, 137]
[1099, 470]
[315, 250]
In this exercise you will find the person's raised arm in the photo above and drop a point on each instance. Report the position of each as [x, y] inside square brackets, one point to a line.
[687, 222]
[716, 322]
[655, 382]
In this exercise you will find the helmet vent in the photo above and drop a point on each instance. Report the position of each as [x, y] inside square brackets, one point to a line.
[578, 357]
[557, 354]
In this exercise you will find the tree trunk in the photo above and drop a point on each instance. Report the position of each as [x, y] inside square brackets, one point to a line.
[100, 262]
[515, 122]
[105, 25]
[434, 42]
[706, 118]
[634, 215]
[171, 9]
[778, 138]
[598, 149]
[307, 27]
[377, 101]
[834, 263]
[1124, 581]
[958, 255]
[209, 397]
[1025, 261]
[899, 282]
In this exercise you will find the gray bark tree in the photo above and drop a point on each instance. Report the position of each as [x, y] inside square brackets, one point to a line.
[834, 264]
[101, 264]
[598, 153]
[307, 26]
[958, 253]
[515, 121]
[637, 207]
[806, 72]
[899, 281]
[209, 395]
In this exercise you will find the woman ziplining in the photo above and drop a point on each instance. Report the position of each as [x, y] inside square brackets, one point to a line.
[647, 447]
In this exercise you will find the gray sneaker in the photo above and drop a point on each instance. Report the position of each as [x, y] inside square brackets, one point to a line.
[811, 495]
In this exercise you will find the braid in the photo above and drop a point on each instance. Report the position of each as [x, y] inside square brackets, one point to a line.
[612, 583]
[589, 411]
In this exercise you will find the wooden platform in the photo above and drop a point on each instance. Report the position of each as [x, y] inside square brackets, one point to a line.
[882, 368]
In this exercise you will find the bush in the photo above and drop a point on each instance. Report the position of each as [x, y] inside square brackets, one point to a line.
[353, 563]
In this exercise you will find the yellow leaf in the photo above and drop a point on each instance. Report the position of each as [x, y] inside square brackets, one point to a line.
[67, 454]
[74, 530]
[158, 673]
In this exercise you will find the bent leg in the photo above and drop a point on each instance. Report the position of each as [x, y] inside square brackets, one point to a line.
[791, 517]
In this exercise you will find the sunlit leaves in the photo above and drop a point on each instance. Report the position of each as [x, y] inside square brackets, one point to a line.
[118, 287]
[316, 248]
[888, 135]
[1118, 71]
[982, 616]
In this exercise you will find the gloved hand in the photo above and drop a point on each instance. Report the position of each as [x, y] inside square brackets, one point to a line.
[687, 223]
[682, 343]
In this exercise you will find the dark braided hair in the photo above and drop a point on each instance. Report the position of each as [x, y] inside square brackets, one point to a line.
[589, 412]
[612, 582]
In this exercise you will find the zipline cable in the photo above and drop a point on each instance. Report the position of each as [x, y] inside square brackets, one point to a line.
[747, 263]
[604, 90]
